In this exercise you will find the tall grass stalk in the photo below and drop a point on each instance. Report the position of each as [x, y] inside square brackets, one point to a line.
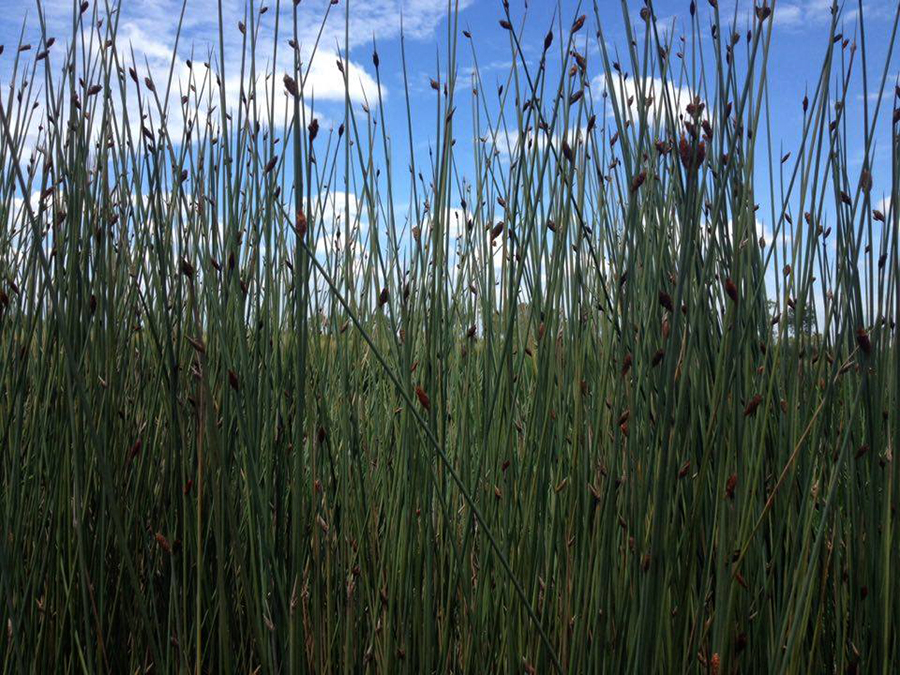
[279, 397]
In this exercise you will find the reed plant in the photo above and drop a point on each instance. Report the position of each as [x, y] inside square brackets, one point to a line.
[277, 396]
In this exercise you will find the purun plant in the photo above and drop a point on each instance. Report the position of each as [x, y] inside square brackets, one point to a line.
[276, 399]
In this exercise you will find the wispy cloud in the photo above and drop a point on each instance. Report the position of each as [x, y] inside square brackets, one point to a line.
[149, 27]
[801, 14]
[653, 90]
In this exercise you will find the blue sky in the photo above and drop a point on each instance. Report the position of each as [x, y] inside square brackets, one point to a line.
[798, 48]
[149, 25]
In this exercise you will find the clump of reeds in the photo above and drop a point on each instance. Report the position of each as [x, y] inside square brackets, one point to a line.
[559, 413]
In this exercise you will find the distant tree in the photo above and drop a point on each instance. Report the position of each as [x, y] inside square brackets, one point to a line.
[806, 326]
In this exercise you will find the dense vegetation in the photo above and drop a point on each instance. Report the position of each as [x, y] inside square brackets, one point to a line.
[570, 409]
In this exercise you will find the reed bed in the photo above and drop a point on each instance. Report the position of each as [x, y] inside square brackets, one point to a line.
[277, 395]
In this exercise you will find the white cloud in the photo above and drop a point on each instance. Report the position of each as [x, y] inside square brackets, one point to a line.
[809, 13]
[788, 15]
[884, 205]
[326, 82]
[149, 27]
[652, 90]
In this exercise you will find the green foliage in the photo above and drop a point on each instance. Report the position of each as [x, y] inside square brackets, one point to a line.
[240, 434]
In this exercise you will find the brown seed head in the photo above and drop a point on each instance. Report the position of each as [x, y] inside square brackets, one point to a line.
[637, 181]
[862, 339]
[301, 224]
[135, 449]
[666, 300]
[291, 85]
[163, 543]
[730, 485]
[731, 290]
[626, 363]
[423, 398]
[752, 405]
